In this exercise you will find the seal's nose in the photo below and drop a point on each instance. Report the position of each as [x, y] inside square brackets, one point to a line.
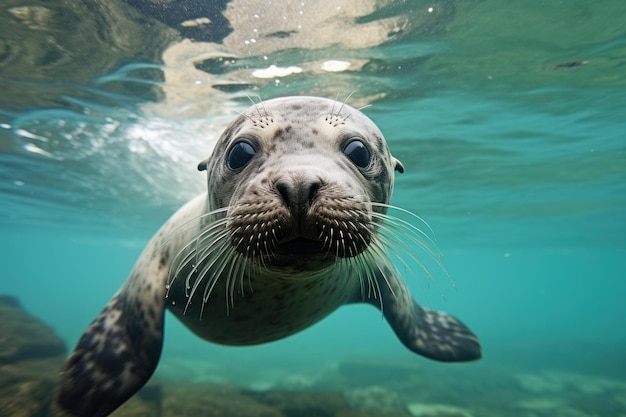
[298, 193]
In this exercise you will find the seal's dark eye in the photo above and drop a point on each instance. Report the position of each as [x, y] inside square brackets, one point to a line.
[358, 153]
[240, 154]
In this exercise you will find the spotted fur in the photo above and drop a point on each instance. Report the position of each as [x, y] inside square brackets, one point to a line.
[273, 247]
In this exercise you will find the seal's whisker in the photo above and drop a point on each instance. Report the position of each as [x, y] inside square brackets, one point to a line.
[244, 115]
[424, 241]
[231, 281]
[258, 109]
[240, 277]
[398, 256]
[392, 242]
[429, 246]
[249, 269]
[268, 114]
[410, 213]
[327, 239]
[376, 290]
[373, 272]
[211, 280]
[249, 278]
[204, 243]
[419, 236]
[379, 252]
[342, 240]
[366, 263]
[332, 109]
[331, 239]
[210, 285]
[352, 241]
[345, 101]
[362, 278]
[254, 103]
[181, 265]
[188, 255]
[361, 237]
[394, 233]
[192, 223]
[268, 252]
[220, 261]
[200, 268]
[235, 274]
[393, 237]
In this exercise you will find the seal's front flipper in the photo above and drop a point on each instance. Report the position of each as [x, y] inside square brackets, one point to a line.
[434, 334]
[113, 359]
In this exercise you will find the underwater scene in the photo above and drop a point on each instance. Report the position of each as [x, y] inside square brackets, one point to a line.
[508, 212]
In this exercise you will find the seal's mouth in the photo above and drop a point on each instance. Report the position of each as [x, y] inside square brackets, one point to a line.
[300, 246]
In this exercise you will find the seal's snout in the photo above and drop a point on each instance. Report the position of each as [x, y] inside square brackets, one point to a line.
[298, 194]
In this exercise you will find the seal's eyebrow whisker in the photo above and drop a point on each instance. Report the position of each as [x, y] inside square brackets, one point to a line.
[332, 108]
[268, 114]
[258, 110]
[254, 103]
[244, 115]
[258, 106]
[357, 110]
[345, 101]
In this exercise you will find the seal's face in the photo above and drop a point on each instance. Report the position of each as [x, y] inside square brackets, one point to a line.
[298, 176]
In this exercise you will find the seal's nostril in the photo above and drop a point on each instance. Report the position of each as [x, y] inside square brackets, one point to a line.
[286, 192]
[314, 187]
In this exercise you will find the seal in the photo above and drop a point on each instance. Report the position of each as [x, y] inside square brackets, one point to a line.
[294, 225]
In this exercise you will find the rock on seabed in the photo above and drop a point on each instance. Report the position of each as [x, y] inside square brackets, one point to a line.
[31, 354]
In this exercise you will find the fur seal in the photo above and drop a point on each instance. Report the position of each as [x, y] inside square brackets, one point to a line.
[293, 226]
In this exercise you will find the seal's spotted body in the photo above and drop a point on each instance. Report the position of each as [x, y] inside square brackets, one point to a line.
[291, 228]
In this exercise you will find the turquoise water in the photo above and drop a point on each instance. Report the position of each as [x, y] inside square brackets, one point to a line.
[509, 118]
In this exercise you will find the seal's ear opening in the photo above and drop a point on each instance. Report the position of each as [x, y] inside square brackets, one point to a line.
[399, 167]
[203, 165]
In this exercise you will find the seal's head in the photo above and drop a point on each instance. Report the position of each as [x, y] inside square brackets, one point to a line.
[301, 178]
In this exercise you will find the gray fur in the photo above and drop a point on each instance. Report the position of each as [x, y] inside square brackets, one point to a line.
[292, 244]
